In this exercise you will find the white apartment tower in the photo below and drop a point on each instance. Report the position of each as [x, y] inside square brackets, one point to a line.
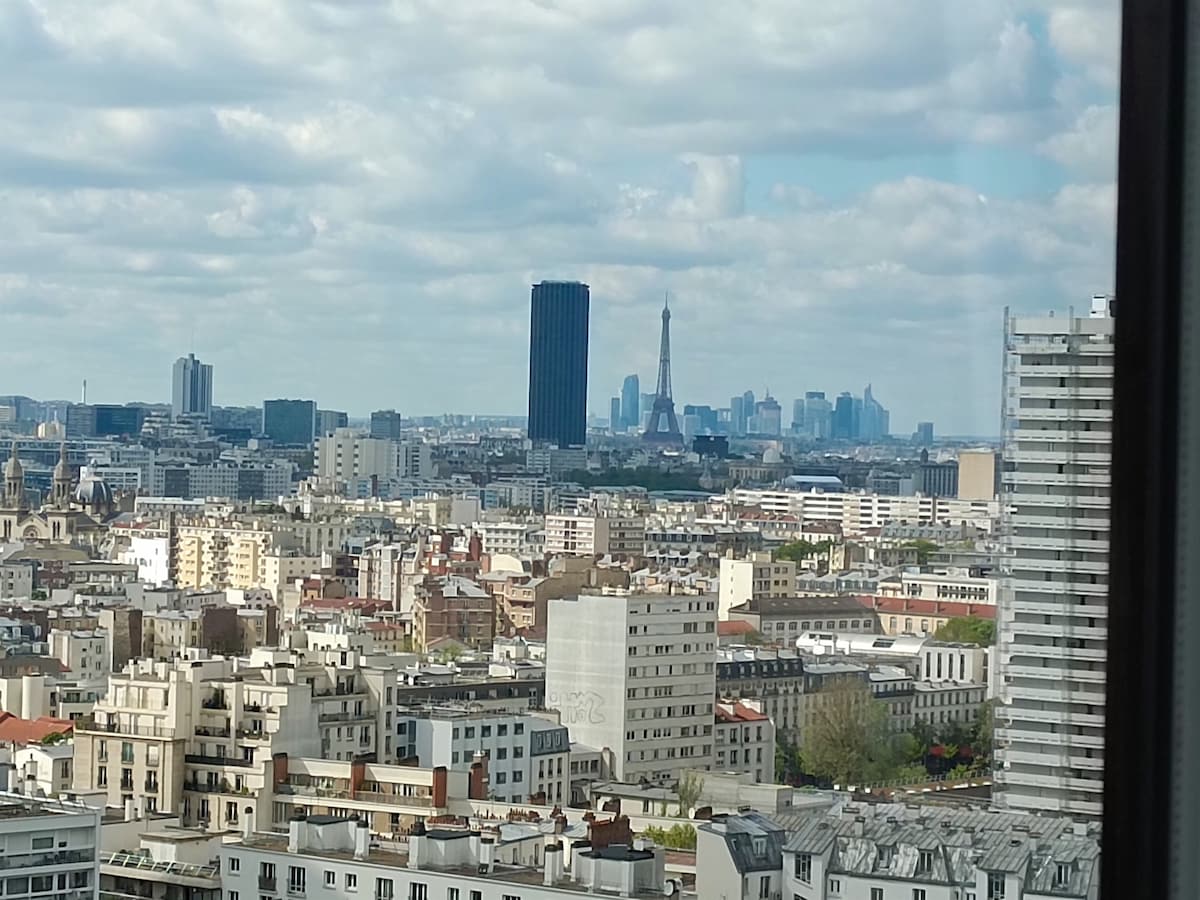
[1053, 611]
[634, 675]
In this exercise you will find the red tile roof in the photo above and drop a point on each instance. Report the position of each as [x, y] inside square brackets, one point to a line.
[741, 713]
[733, 628]
[929, 607]
[15, 730]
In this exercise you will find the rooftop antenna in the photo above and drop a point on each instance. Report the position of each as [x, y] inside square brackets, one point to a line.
[85, 392]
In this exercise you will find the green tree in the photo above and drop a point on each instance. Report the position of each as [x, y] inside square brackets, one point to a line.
[37, 595]
[924, 549]
[689, 790]
[788, 764]
[849, 741]
[677, 837]
[968, 630]
[797, 551]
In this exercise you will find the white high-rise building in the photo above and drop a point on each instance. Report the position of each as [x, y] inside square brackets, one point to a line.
[1054, 594]
[634, 675]
[191, 388]
[50, 848]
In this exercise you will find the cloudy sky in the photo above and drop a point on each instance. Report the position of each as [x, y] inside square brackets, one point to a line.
[349, 200]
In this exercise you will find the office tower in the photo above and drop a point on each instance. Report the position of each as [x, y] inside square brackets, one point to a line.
[386, 424]
[663, 427]
[876, 420]
[330, 420]
[614, 414]
[86, 420]
[798, 426]
[936, 479]
[977, 471]
[924, 434]
[191, 388]
[633, 674]
[1053, 608]
[290, 422]
[631, 413]
[706, 418]
[818, 415]
[843, 418]
[737, 415]
[558, 359]
[769, 414]
[747, 409]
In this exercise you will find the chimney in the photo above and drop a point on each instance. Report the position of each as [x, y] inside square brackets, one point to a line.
[129, 809]
[860, 825]
[554, 865]
[296, 833]
[279, 771]
[247, 824]
[477, 780]
[487, 855]
[362, 840]
[416, 844]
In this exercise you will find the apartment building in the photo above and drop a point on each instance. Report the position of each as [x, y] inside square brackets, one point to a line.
[939, 703]
[188, 736]
[452, 608]
[83, 653]
[954, 584]
[245, 479]
[508, 538]
[49, 848]
[348, 453]
[855, 513]
[744, 740]
[1052, 627]
[595, 535]
[783, 619]
[634, 675]
[335, 856]
[754, 578]
[528, 756]
[907, 615]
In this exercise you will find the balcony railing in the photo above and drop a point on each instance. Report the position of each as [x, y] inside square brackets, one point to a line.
[198, 759]
[214, 703]
[53, 858]
[304, 790]
[89, 723]
[266, 883]
[146, 864]
[346, 717]
[209, 731]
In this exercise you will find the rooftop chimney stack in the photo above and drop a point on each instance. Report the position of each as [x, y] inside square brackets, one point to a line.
[554, 865]
[362, 840]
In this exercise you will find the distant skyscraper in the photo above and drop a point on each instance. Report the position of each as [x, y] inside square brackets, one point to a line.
[290, 422]
[843, 418]
[558, 359]
[818, 415]
[631, 412]
[386, 424]
[614, 414]
[924, 434]
[737, 415]
[769, 414]
[798, 426]
[191, 388]
[330, 420]
[875, 418]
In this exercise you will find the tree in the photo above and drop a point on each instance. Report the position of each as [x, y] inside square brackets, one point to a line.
[924, 549]
[967, 630]
[689, 791]
[788, 764]
[849, 741]
[677, 837]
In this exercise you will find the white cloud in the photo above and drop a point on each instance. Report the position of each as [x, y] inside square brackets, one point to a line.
[378, 183]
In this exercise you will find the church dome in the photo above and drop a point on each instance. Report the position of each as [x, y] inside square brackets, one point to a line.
[772, 455]
[93, 492]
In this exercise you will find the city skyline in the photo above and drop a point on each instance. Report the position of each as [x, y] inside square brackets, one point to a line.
[390, 205]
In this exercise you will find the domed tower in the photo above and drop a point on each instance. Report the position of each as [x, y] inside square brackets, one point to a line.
[60, 494]
[95, 496]
[14, 482]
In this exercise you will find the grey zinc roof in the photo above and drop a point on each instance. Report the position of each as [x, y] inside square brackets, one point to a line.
[961, 842]
[740, 833]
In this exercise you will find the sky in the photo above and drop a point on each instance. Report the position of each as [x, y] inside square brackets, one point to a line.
[348, 201]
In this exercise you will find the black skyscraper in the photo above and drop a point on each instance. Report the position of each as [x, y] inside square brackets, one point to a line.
[558, 354]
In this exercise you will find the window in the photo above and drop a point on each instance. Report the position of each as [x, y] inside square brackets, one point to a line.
[476, 895]
[235, 864]
[924, 862]
[995, 886]
[40, 884]
[330, 878]
[384, 889]
[876, 893]
[297, 876]
[233, 895]
[918, 894]
[43, 843]
[351, 881]
[835, 886]
[804, 867]
[452, 893]
[418, 891]
[764, 887]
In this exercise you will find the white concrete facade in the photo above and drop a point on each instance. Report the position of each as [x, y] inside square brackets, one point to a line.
[753, 578]
[1053, 613]
[49, 848]
[635, 675]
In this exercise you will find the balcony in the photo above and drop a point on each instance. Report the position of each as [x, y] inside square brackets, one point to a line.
[209, 731]
[346, 717]
[214, 703]
[146, 864]
[266, 883]
[53, 858]
[304, 790]
[198, 759]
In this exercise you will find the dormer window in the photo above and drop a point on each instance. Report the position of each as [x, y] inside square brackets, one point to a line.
[925, 861]
[885, 856]
[1062, 874]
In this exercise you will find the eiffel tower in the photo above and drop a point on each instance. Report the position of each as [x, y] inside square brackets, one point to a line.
[664, 404]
